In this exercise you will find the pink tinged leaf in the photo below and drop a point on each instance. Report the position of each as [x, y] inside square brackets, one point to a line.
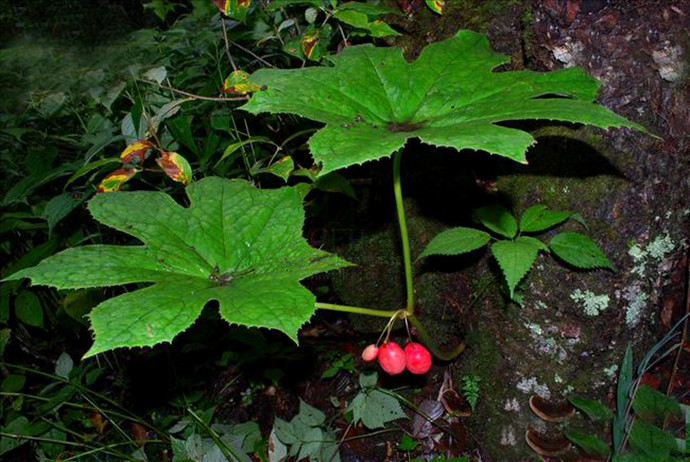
[176, 167]
[282, 168]
[309, 42]
[237, 83]
[114, 180]
[136, 150]
[237, 9]
[435, 5]
[222, 5]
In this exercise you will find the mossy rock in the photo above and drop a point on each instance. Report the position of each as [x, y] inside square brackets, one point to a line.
[378, 279]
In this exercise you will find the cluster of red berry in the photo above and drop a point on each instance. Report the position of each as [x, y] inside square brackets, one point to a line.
[415, 358]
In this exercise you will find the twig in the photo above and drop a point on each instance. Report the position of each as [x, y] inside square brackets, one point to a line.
[328, 16]
[235, 44]
[342, 439]
[342, 33]
[370, 434]
[193, 96]
[159, 146]
[227, 45]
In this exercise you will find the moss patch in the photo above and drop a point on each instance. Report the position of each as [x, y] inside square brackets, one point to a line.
[377, 280]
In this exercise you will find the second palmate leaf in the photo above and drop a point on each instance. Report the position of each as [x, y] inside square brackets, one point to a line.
[372, 100]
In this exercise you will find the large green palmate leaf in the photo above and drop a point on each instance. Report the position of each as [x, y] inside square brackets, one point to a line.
[372, 100]
[235, 244]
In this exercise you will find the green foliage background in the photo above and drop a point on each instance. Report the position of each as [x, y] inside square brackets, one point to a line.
[66, 114]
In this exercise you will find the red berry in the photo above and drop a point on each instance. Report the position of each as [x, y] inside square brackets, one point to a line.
[392, 358]
[418, 358]
[370, 353]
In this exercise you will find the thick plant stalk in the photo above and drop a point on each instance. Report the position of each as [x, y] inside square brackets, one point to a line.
[408, 312]
[407, 260]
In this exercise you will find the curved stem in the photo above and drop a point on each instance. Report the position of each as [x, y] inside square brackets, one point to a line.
[397, 189]
[355, 309]
[444, 356]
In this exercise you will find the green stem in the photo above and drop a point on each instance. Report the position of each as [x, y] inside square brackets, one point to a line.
[407, 260]
[416, 409]
[428, 340]
[355, 309]
[372, 434]
[107, 449]
[228, 450]
[403, 232]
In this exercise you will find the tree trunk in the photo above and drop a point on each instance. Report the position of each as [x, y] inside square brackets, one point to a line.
[631, 188]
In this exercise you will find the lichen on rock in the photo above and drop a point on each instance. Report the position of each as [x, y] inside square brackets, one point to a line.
[591, 304]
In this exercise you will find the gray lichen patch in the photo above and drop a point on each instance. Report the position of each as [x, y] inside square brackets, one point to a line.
[530, 385]
[636, 300]
[508, 437]
[648, 261]
[591, 304]
[611, 371]
[655, 251]
[670, 62]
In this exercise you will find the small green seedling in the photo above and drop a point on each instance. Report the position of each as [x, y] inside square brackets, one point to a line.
[470, 389]
[372, 406]
[407, 443]
[345, 363]
[512, 243]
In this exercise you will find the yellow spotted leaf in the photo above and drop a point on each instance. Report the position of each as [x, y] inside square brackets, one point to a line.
[435, 5]
[237, 83]
[280, 168]
[309, 43]
[176, 167]
[236, 9]
[135, 150]
[114, 180]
